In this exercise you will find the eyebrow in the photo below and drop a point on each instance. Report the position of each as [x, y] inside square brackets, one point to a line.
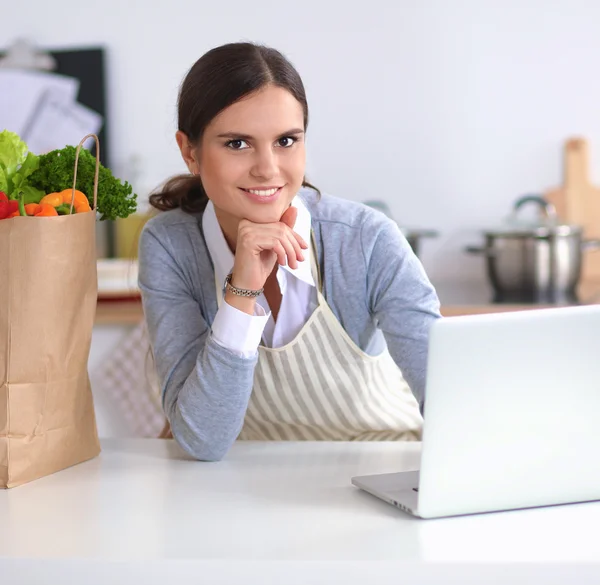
[241, 136]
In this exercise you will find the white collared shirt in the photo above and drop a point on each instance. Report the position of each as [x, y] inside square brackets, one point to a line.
[241, 332]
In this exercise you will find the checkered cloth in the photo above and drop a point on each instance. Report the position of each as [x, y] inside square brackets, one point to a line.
[128, 378]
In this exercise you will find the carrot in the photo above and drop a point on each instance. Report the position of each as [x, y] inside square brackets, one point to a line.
[32, 208]
[46, 210]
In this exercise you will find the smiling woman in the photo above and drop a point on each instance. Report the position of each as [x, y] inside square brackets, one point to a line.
[275, 313]
[235, 73]
[262, 162]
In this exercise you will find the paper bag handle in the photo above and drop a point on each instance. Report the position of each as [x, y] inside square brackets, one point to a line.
[95, 174]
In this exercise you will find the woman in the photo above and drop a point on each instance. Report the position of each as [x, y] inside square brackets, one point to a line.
[270, 308]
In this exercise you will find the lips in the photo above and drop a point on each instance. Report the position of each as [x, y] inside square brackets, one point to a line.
[264, 194]
[262, 191]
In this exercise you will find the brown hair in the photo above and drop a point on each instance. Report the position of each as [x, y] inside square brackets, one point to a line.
[221, 77]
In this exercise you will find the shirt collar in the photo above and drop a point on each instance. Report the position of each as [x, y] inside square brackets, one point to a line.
[222, 257]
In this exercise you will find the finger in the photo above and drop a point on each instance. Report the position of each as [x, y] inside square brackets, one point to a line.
[300, 240]
[290, 253]
[289, 216]
[280, 250]
[292, 246]
[297, 248]
[289, 219]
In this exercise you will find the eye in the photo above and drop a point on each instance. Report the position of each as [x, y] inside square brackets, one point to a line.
[287, 141]
[236, 144]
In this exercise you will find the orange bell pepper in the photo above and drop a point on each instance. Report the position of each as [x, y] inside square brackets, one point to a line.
[80, 198]
[82, 207]
[64, 197]
[54, 199]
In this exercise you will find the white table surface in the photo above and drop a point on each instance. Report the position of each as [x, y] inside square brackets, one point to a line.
[280, 513]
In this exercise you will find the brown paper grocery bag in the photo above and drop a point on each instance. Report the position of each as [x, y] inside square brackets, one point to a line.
[48, 295]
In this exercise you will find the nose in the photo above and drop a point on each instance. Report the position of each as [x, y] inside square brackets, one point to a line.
[264, 165]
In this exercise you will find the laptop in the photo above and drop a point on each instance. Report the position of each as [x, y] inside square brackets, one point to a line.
[512, 415]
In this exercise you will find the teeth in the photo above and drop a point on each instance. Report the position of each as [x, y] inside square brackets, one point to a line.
[266, 193]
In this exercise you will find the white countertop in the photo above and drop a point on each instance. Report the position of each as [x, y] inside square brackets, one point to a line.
[281, 513]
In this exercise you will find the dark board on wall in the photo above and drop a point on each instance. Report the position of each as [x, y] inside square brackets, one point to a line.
[88, 66]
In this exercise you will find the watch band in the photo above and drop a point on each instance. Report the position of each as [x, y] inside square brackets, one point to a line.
[241, 292]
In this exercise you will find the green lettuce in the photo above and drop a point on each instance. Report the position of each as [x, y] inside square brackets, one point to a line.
[16, 166]
[3, 181]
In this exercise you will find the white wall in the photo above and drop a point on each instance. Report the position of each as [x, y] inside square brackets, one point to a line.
[447, 109]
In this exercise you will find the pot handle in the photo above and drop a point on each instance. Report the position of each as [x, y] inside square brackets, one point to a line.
[591, 245]
[488, 252]
[548, 208]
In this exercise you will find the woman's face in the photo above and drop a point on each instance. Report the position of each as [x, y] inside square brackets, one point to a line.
[252, 158]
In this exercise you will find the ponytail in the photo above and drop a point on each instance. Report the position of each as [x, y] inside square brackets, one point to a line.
[184, 191]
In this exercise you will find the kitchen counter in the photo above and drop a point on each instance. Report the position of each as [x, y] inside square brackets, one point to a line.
[119, 311]
[457, 298]
[460, 298]
[270, 513]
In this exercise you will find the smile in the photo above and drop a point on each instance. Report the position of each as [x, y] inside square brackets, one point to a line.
[263, 195]
[263, 192]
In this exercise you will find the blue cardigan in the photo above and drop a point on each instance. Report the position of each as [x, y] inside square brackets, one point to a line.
[373, 282]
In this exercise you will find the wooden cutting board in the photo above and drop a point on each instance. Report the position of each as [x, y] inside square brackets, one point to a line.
[577, 201]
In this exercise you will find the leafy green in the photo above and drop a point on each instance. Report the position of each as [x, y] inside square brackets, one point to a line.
[3, 180]
[31, 194]
[20, 180]
[55, 173]
[12, 151]
[16, 164]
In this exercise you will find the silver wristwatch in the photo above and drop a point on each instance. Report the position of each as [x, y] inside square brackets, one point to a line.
[241, 292]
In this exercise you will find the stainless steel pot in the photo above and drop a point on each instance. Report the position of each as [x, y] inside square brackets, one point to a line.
[535, 263]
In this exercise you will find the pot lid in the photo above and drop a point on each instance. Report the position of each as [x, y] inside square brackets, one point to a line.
[533, 230]
[545, 223]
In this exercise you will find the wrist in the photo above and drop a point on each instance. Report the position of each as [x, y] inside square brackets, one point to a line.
[244, 304]
[232, 284]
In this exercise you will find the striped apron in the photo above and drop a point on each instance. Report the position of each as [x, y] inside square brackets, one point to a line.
[322, 386]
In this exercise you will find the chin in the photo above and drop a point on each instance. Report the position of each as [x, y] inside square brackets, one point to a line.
[267, 216]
